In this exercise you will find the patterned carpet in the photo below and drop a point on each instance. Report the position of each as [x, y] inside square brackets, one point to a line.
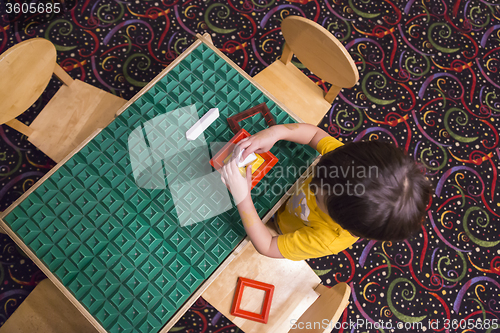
[429, 82]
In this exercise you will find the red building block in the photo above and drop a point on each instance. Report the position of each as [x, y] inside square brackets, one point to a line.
[269, 159]
[261, 108]
[266, 306]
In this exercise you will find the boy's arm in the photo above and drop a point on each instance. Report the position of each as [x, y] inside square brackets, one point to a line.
[262, 141]
[305, 134]
[260, 236]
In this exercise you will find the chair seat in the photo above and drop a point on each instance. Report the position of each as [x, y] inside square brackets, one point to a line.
[290, 86]
[294, 283]
[71, 116]
[47, 310]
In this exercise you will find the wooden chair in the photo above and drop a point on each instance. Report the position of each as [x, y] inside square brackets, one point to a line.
[295, 298]
[74, 113]
[323, 55]
[47, 310]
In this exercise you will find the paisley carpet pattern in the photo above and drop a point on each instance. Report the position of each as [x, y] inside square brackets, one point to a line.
[429, 83]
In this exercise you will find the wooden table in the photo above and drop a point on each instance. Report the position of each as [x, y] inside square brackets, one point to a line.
[116, 250]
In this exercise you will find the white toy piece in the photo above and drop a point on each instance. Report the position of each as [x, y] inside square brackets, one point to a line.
[202, 124]
[250, 158]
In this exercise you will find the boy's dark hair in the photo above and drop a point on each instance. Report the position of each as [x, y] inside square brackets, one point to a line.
[385, 202]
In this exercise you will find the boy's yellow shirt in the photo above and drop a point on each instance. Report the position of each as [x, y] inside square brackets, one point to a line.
[307, 231]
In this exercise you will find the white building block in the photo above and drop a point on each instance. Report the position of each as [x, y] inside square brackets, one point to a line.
[202, 124]
[250, 158]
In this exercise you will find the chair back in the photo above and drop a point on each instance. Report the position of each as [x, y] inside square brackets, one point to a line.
[319, 51]
[25, 69]
[325, 311]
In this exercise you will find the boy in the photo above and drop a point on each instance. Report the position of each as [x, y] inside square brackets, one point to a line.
[363, 189]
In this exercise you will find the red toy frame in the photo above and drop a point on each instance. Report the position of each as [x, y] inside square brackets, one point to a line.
[261, 108]
[269, 159]
[266, 306]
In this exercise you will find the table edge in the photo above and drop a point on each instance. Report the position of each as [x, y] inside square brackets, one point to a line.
[208, 43]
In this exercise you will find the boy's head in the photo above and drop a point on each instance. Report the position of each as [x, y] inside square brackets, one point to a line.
[373, 190]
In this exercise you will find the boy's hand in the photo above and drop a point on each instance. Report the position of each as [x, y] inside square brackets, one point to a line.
[258, 143]
[231, 177]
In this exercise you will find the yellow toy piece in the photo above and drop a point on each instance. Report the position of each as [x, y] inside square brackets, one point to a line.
[255, 164]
